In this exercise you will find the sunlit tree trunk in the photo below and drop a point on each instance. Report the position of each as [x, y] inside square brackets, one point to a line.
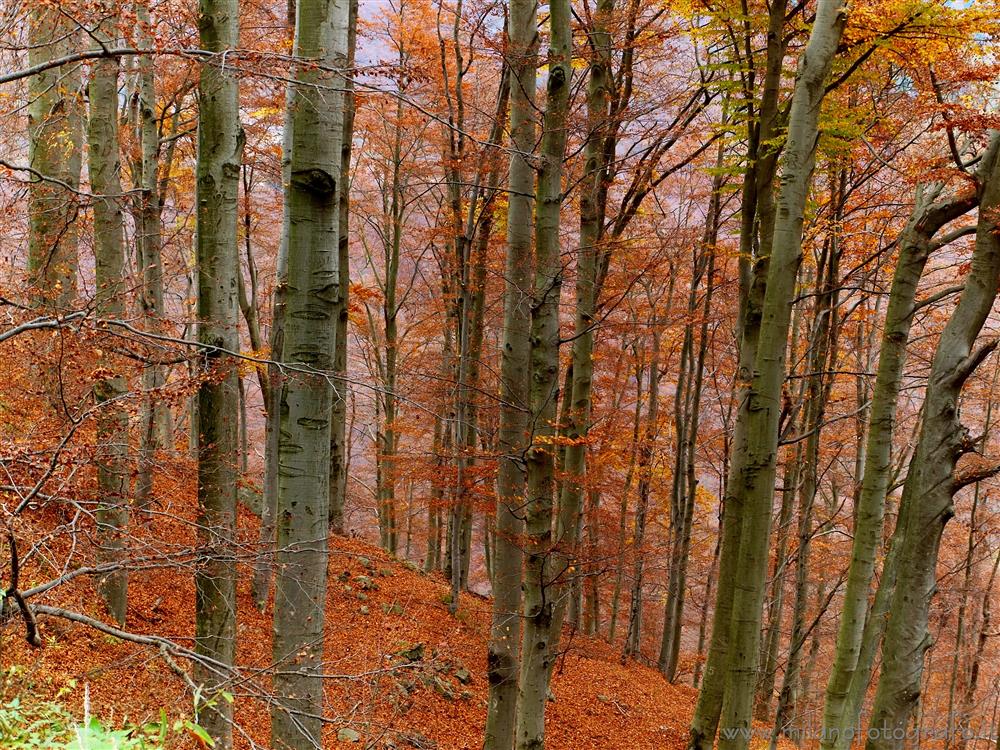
[109, 256]
[220, 151]
[313, 277]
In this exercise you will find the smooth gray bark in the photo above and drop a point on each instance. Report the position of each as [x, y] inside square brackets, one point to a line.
[220, 151]
[312, 204]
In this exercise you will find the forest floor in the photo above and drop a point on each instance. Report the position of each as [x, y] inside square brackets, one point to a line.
[402, 672]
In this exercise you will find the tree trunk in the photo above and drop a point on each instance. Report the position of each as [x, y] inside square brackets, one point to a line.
[932, 476]
[633, 637]
[220, 149]
[578, 401]
[686, 449]
[540, 587]
[338, 426]
[823, 348]
[623, 506]
[757, 213]
[109, 256]
[272, 432]
[155, 428]
[55, 140]
[505, 632]
[851, 672]
[764, 397]
[313, 278]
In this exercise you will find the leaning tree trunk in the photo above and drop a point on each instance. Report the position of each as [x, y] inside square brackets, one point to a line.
[764, 397]
[313, 201]
[540, 589]
[933, 480]
[929, 215]
[109, 268]
[505, 632]
[220, 149]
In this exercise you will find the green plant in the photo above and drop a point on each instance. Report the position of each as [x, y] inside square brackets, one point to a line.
[27, 723]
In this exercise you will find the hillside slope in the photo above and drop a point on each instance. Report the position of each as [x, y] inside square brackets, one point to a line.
[401, 671]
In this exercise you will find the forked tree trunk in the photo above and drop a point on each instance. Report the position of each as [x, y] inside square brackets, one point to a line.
[220, 150]
[764, 397]
[851, 669]
[933, 480]
[313, 277]
[541, 591]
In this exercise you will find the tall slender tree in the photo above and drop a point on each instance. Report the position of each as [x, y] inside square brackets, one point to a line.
[312, 206]
[220, 151]
[109, 266]
[764, 396]
[505, 632]
[540, 585]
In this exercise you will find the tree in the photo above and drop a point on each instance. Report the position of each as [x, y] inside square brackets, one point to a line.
[316, 119]
[935, 475]
[764, 395]
[220, 148]
[109, 252]
[542, 568]
[932, 210]
[505, 633]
